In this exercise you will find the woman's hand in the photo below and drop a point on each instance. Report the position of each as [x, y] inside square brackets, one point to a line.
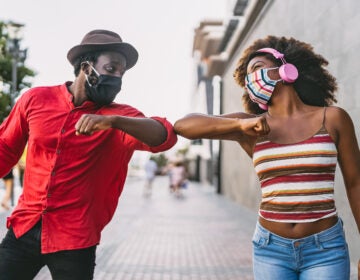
[255, 126]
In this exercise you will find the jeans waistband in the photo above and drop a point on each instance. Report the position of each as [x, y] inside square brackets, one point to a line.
[322, 236]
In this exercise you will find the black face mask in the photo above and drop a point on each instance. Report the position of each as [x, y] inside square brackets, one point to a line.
[105, 88]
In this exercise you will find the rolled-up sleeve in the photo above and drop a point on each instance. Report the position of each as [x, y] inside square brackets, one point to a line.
[170, 141]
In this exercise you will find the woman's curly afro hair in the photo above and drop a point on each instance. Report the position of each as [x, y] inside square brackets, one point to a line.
[315, 85]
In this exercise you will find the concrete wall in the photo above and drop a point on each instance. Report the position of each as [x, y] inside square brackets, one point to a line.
[332, 27]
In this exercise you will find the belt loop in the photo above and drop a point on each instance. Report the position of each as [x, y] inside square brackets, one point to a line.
[268, 235]
[317, 241]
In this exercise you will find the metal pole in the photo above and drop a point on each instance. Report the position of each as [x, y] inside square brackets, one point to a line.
[13, 92]
[14, 81]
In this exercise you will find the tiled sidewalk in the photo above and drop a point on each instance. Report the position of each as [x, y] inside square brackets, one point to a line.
[201, 236]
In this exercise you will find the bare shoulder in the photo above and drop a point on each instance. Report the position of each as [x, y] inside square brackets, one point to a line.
[337, 116]
[338, 122]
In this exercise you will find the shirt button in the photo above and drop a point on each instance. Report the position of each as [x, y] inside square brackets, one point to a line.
[53, 173]
[48, 195]
[63, 131]
[58, 151]
[44, 211]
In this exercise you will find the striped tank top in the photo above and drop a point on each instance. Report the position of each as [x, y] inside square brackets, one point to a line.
[297, 180]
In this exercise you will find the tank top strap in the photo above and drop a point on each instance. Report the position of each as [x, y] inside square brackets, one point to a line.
[323, 122]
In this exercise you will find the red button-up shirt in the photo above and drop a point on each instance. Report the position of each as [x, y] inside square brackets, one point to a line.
[72, 183]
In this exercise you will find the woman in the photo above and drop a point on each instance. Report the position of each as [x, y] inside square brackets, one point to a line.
[295, 139]
[177, 177]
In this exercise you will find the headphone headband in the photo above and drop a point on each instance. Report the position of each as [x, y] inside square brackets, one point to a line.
[272, 51]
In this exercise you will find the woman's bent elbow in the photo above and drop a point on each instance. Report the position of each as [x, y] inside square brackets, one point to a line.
[181, 130]
[178, 127]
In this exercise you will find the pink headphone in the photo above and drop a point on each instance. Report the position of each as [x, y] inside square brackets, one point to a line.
[287, 71]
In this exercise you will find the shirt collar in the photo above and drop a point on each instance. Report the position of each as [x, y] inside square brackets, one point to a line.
[70, 97]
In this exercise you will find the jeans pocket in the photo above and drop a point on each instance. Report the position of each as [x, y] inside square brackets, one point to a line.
[260, 241]
[337, 242]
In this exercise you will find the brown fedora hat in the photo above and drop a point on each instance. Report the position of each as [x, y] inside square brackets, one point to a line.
[103, 40]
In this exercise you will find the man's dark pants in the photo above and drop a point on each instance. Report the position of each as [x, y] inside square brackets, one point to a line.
[21, 259]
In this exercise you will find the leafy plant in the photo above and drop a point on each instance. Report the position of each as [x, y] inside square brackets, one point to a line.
[23, 73]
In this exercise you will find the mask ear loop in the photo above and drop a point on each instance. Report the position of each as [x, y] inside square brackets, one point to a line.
[283, 63]
[92, 67]
[263, 106]
[92, 80]
[267, 74]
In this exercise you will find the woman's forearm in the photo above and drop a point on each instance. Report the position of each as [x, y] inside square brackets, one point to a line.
[230, 127]
[194, 126]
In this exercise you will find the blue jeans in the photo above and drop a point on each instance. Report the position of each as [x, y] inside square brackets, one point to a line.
[22, 259]
[322, 256]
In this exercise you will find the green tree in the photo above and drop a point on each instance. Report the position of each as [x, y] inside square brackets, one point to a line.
[6, 74]
[160, 159]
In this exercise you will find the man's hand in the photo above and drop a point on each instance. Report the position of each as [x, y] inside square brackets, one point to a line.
[89, 123]
[255, 126]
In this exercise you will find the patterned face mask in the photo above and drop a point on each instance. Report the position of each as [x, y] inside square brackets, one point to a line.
[260, 87]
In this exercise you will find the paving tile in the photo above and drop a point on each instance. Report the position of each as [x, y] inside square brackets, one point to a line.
[199, 236]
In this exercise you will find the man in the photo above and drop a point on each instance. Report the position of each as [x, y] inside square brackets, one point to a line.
[79, 144]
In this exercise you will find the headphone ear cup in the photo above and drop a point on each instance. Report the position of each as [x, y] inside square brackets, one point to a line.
[288, 72]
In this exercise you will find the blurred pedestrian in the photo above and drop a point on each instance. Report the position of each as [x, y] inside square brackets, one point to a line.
[9, 190]
[79, 145]
[150, 173]
[295, 139]
[177, 177]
